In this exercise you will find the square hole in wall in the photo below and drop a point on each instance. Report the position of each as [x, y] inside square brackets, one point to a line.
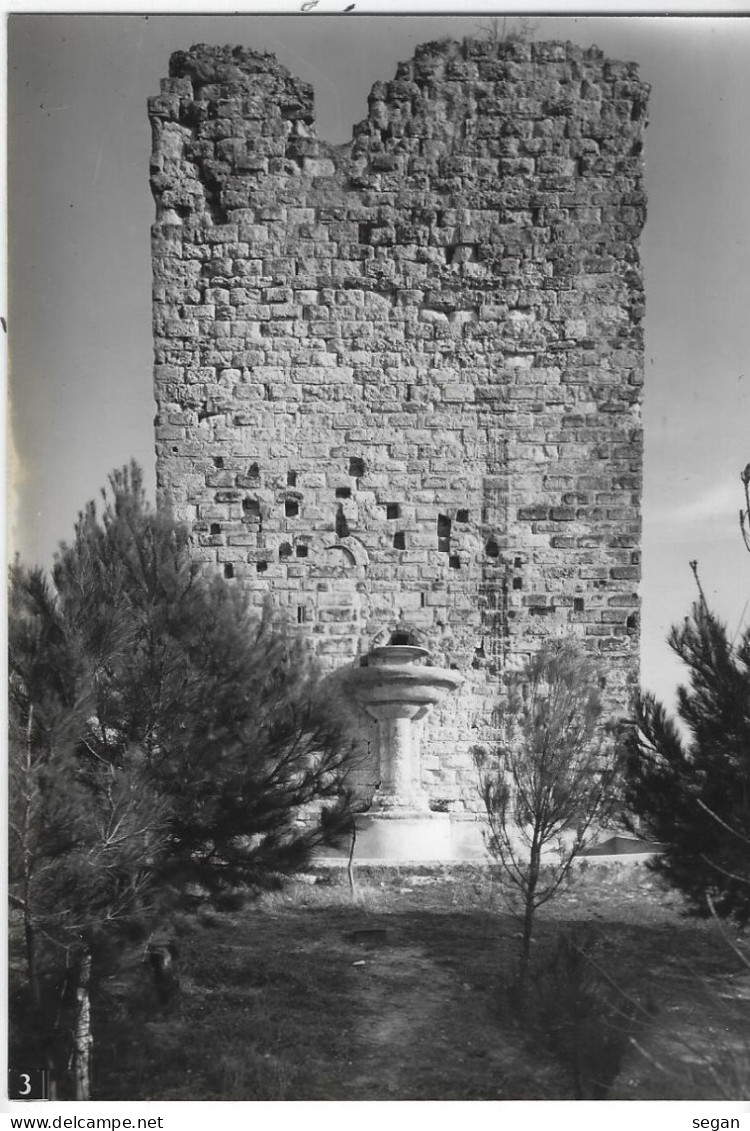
[291, 508]
[216, 528]
[462, 516]
[399, 540]
[291, 478]
[343, 492]
[261, 567]
[356, 467]
[285, 551]
[302, 551]
[518, 583]
[578, 604]
[392, 510]
[219, 462]
[228, 570]
[454, 561]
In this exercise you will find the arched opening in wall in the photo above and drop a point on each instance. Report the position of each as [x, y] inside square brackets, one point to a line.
[402, 638]
[347, 558]
[338, 604]
[398, 635]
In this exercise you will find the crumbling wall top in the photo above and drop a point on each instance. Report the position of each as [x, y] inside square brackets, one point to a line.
[238, 70]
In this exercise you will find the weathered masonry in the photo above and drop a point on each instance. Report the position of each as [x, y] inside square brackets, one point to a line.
[399, 380]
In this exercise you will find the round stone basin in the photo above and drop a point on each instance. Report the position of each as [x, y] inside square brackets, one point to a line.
[397, 680]
[394, 655]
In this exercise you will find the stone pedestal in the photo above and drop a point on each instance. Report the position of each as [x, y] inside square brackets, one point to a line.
[396, 835]
[398, 692]
[399, 757]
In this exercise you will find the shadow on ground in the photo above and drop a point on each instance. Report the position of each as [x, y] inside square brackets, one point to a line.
[284, 1000]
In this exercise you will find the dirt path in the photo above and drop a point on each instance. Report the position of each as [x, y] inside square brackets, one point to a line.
[422, 1033]
[294, 1005]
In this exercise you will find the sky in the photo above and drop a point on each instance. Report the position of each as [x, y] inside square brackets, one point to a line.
[79, 216]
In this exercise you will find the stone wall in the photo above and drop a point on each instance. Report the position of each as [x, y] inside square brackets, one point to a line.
[399, 380]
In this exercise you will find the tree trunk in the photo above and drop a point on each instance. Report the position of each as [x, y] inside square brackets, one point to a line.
[528, 918]
[30, 944]
[350, 865]
[82, 1038]
[28, 868]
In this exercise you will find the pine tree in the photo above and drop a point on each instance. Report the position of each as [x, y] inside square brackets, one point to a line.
[162, 736]
[83, 833]
[226, 707]
[688, 786]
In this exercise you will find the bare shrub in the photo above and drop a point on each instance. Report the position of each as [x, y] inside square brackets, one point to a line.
[550, 780]
[580, 1015]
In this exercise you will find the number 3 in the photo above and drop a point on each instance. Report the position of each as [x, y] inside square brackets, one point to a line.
[25, 1091]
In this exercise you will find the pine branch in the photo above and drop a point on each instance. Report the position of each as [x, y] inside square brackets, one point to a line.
[724, 825]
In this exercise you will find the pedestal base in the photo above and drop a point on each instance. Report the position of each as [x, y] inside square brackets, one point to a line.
[392, 836]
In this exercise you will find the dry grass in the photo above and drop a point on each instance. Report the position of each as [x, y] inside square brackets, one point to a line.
[277, 1002]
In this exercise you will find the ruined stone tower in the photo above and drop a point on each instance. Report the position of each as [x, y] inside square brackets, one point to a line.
[399, 380]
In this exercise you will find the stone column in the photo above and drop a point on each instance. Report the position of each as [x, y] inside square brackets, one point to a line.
[399, 754]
